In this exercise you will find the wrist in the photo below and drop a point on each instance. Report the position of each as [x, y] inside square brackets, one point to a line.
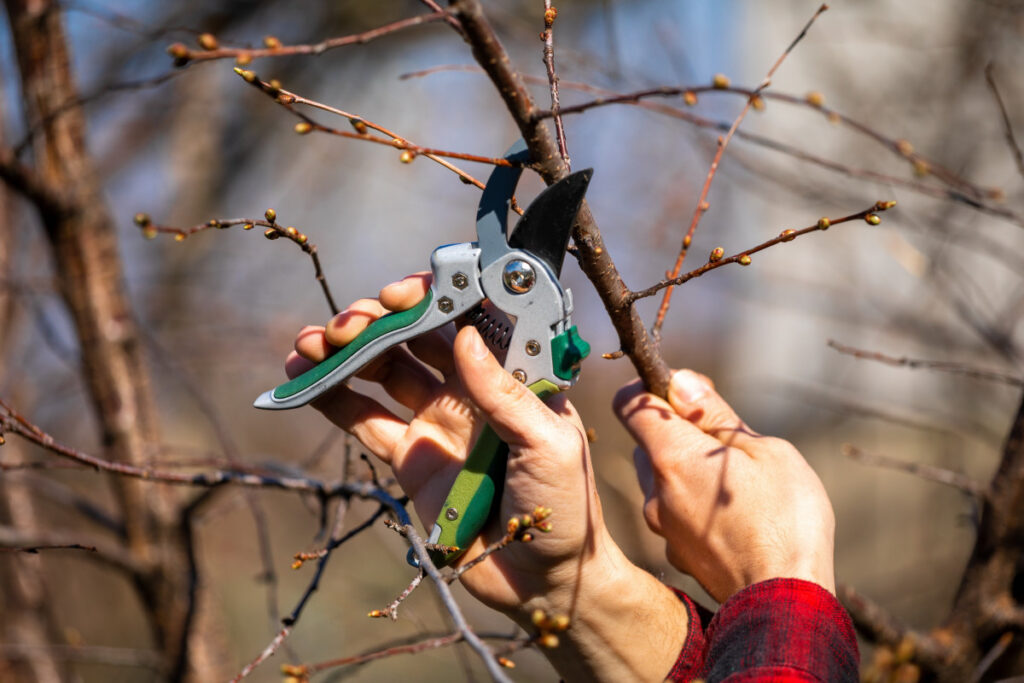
[624, 624]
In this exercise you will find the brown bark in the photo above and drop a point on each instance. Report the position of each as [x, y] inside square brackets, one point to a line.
[594, 259]
[85, 254]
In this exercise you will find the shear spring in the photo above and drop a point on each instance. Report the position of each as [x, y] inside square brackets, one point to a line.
[495, 332]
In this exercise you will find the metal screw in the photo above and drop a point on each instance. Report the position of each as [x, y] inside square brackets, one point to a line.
[520, 376]
[451, 514]
[519, 276]
[445, 305]
[460, 281]
[532, 347]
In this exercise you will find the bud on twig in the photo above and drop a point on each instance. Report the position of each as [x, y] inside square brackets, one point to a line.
[815, 99]
[207, 41]
[716, 254]
[271, 42]
[873, 219]
[824, 223]
[743, 260]
[270, 215]
[690, 98]
[721, 81]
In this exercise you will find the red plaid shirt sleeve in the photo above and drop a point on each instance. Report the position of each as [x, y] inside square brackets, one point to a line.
[783, 630]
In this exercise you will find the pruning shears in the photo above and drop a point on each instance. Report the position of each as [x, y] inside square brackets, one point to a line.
[506, 284]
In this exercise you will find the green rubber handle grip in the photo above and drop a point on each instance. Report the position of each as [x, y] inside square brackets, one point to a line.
[397, 327]
[475, 497]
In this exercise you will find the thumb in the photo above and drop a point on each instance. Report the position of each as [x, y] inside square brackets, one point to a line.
[517, 416]
[694, 398]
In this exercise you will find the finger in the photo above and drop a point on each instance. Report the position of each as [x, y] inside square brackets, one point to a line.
[675, 448]
[347, 325]
[435, 349]
[311, 344]
[644, 473]
[375, 426]
[407, 292]
[295, 365]
[403, 377]
[518, 417]
[694, 398]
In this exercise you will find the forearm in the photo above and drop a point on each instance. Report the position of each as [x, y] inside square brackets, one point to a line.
[625, 624]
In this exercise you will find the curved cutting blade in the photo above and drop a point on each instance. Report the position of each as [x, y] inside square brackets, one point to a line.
[544, 228]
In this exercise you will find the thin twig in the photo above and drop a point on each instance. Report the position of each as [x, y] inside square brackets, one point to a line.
[960, 190]
[274, 231]
[263, 656]
[957, 480]
[183, 54]
[723, 141]
[717, 259]
[391, 611]
[548, 36]
[485, 653]
[1011, 139]
[287, 99]
[941, 366]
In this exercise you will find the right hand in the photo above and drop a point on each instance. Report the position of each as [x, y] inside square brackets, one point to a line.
[735, 507]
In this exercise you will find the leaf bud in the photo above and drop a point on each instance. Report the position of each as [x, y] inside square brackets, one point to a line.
[506, 662]
[721, 81]
[180, 237]
[271, 42]
[243, 59]
[527, 520]
[824, 223]
[922, 167]
[560, 622]
[548, 640]
[271, 234]
[873, 219]
[513, 525]
[716, 254]
[834, 117]
[686, 241]
[301, 239]
[207, 41]
[247, 226]
[247, 76]
[375, 613]
[297, 564]
[690, 98]
[292, 232]
[303, 127]
[213, 223]
[538, 618]
[540, 512]
[149, 233]
[2, 440]
[406, 157]
[177, 50]
[526, 538]
[788, 235]
[550, 15]
[884, 205]
[270, 215]
[815, 99]
[757, 102]
[904, 147]
[544, 527]
[743, 260]
[359, 125]
[142, 219]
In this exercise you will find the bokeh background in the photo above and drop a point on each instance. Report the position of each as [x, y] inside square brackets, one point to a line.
[938, 279]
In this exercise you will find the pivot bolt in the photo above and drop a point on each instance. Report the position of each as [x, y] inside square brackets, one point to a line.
[532, 347]
[519, 376]
[445, 305]
[460, 281]
[519, 276]
[451, 514]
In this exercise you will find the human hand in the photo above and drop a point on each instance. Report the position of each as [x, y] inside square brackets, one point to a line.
[576, 569]
[734, 507]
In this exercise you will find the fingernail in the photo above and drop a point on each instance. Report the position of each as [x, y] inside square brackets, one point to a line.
[688, 387]
[477, 348]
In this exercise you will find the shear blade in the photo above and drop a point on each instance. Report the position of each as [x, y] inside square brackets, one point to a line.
[545, 226]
